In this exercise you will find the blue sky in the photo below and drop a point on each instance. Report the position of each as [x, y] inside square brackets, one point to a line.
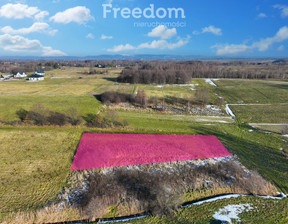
[224, 28]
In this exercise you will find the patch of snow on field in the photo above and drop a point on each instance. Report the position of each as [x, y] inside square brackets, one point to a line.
[229, 111]
[180, 85]
[216, 121]
[213, 107]
[285, 136]
[216, 199]
[230, 212]
[123, 220]
[210, 82]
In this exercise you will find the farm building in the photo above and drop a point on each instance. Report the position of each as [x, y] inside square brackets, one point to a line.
[40, 72]
[20, 75]
[5, 75]
[36, 77]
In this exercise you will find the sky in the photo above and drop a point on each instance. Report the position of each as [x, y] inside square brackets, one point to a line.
[207, 28]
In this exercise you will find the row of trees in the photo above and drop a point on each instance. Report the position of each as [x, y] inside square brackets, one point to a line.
[40, 115]
[201, 97]
[182, 72]
[153, 76]
[139, 98]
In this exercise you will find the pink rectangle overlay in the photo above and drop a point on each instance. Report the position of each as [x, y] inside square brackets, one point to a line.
[114, 150]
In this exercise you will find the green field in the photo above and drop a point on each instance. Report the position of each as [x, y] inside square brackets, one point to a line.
[10, 104]
[262, 114]
[263, 211]
[34, 166]
[253, 91]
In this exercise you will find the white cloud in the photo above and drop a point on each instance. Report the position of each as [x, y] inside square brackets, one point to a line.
[231, 48]
[36, 27]
[266, 43]
[281, 48]
[50, 52]
[262, 15]
[90, 36]
[122, 48]
[213, 30]
[262, 45]
[20, 11]
[22, 44]
[163, 44]
[283, 8]
[78, 14]
[41, 15]
[104, 37]
[155, 44]
[163, 32]
[209, 29]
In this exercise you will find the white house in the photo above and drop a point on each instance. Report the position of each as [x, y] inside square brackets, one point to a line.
[36, 77]
[20, 75]
[40, 72]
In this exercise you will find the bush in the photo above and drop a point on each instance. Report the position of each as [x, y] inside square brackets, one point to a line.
[158, 193]
[284, 130]
[74, 117]
[37, 118]
[115, 97]
[22, 114]
[57, 119]
[94, 120]
[202, 96]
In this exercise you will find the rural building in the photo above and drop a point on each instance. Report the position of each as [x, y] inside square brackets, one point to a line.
[20, 75]
[36, 77]
[100, 66]
[6, 76]
[40, 72]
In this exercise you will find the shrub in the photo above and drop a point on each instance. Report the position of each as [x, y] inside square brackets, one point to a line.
[74, 117]
[94, 120]
[57, 119]
[22, 114]
[284, 130]
[115, 97]
[37, 118]
[202, 96]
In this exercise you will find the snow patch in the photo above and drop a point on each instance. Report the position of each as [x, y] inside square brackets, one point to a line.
[123, 220]
[230, 212]
[229, 111]
[215, 199]
[217, 121]
[210, 82]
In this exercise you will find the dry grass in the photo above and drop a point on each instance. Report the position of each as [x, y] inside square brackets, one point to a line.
[34, 165]
[48, 215]
[137, 190]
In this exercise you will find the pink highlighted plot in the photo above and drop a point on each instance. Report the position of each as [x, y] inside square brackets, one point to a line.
[113, 150]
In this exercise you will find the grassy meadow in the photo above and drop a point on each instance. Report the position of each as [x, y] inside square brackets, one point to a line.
[263, 211]
[34, 166]
[252, 91]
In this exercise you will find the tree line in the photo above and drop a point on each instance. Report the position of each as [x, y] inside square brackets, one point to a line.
[39, 115]
[182, 72]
